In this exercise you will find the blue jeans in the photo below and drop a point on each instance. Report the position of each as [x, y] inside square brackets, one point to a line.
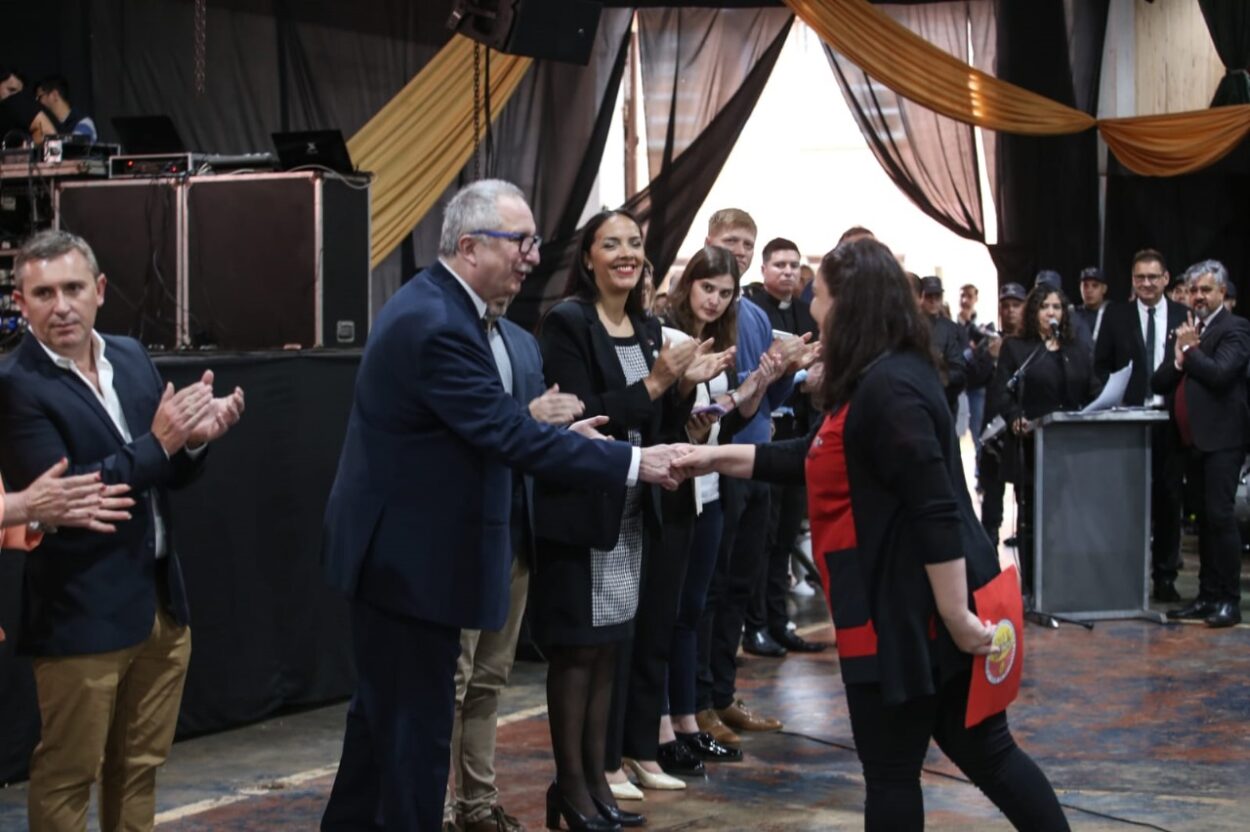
[683, 664]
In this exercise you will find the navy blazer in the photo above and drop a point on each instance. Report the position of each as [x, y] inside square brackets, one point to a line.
[85, 592]
[1215, 387]
[418, 517]
[527, 385]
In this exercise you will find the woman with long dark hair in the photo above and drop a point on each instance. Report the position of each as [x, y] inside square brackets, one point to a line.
[702, 306]
[599, 345]
[898, 546]
[1043, 370]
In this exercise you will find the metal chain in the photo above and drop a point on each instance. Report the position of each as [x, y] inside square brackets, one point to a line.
[201, 45]
[477, 110]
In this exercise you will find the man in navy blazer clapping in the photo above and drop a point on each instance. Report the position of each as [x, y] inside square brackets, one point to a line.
[417, 526]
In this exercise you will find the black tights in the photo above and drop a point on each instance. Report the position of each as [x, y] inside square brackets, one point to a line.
[579, 699]
[892, 741]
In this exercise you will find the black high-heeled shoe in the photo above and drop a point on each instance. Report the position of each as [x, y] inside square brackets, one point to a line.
[617, 815]
[558, 806]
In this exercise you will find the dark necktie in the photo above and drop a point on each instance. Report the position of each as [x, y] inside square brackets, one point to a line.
[488, 322]
[1150, 339]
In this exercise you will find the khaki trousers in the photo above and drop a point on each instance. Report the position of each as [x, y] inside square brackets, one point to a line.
[107, 717]
[481, 673]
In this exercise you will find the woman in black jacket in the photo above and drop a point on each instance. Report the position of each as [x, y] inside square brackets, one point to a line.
[899, 548]
[598, 345]
[1044, 370]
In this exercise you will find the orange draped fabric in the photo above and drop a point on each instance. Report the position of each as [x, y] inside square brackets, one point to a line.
[1164, 145]
[420, 140]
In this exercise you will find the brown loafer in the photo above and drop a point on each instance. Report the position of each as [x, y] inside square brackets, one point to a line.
[739, 717]
[710, 722]
[497, 821]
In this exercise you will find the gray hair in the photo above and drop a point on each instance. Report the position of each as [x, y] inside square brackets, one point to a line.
[475, 206]
[49, 245]
[1212, 267]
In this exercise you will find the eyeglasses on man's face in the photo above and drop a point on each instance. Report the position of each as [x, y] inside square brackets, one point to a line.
[525, 242]
[1150, 276]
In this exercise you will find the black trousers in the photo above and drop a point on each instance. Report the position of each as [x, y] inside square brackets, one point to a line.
[992, 490]
[642, 662]
[745, 504]
[1167, 470]
[786, 507]
[1219, 541]
[892, 741]
[397, 748]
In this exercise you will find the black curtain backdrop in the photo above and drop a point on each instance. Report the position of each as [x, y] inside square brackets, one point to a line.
[931, 158]
[1229, 24]
[1047, 200]
[268, 633]
[1189, 218]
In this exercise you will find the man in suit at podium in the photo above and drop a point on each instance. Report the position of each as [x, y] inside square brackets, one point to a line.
[1204, 381]
[1137, 331]
[417, 527]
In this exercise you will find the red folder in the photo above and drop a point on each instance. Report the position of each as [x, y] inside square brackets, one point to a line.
[996, 677]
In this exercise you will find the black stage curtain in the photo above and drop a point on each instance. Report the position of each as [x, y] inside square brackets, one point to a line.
[1229, 24]
[1188, 218]
[931, 158]
[267, 632]
[1047, 198]
[271, 64]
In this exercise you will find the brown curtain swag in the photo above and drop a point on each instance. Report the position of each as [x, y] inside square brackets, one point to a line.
[417, 144]
[1162, 145]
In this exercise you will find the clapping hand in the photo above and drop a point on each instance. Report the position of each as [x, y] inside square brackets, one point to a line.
[82, 501]
[589, 427]
[556, 408]
[1186, 337]
[221, 414]
[707, 366]
[671, 364]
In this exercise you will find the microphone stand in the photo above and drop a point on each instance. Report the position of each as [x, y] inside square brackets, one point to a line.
[1015, 386]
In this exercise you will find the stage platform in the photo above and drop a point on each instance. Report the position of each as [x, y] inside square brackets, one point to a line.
[1138, 726]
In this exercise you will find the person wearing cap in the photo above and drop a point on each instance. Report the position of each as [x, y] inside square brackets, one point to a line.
[946, 340]
[1137, 331]
[1094, 298]
[1178, 292]
[1011, 299]
[1230, 296]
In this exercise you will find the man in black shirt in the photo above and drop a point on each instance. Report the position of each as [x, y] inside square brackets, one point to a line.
[947, 340]
[767, 618]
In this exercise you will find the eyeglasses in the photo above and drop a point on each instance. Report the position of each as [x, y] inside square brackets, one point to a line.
[1153, 276]
[525, 242]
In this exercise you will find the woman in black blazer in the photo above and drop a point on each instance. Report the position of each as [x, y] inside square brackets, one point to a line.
[598, 345]
[899, 547]
[1058, 375]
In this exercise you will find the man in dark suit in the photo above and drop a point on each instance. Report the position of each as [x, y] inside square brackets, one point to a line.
[767, 618]
[417, 529]
[486, 656]
[947, 339]
[1204, 381]
[103, 615]
[1137, 331]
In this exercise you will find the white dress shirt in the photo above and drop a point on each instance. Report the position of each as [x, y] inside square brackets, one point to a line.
[1161, 336]
[504, 364]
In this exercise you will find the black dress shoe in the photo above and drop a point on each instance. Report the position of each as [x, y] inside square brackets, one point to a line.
[760, 643]
[618, 816]
[1165, 591]
[558, 807]
[1226, 614]
[1195, 610]
[704, 746]
[795, 643]
[676, 758]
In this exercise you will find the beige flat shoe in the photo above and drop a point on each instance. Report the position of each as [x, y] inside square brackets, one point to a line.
[626, 791]
[648, 780]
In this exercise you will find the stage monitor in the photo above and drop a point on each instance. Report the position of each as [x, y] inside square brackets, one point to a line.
[558, 30]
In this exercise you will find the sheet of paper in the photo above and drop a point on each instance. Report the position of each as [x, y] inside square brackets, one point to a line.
[1113, 392]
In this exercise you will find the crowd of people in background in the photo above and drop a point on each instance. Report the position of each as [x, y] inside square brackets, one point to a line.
[635, 480]
[38, 112]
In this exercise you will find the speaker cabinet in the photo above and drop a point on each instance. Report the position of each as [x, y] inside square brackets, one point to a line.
[276, 260]
[558, 30]
[133, 227]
